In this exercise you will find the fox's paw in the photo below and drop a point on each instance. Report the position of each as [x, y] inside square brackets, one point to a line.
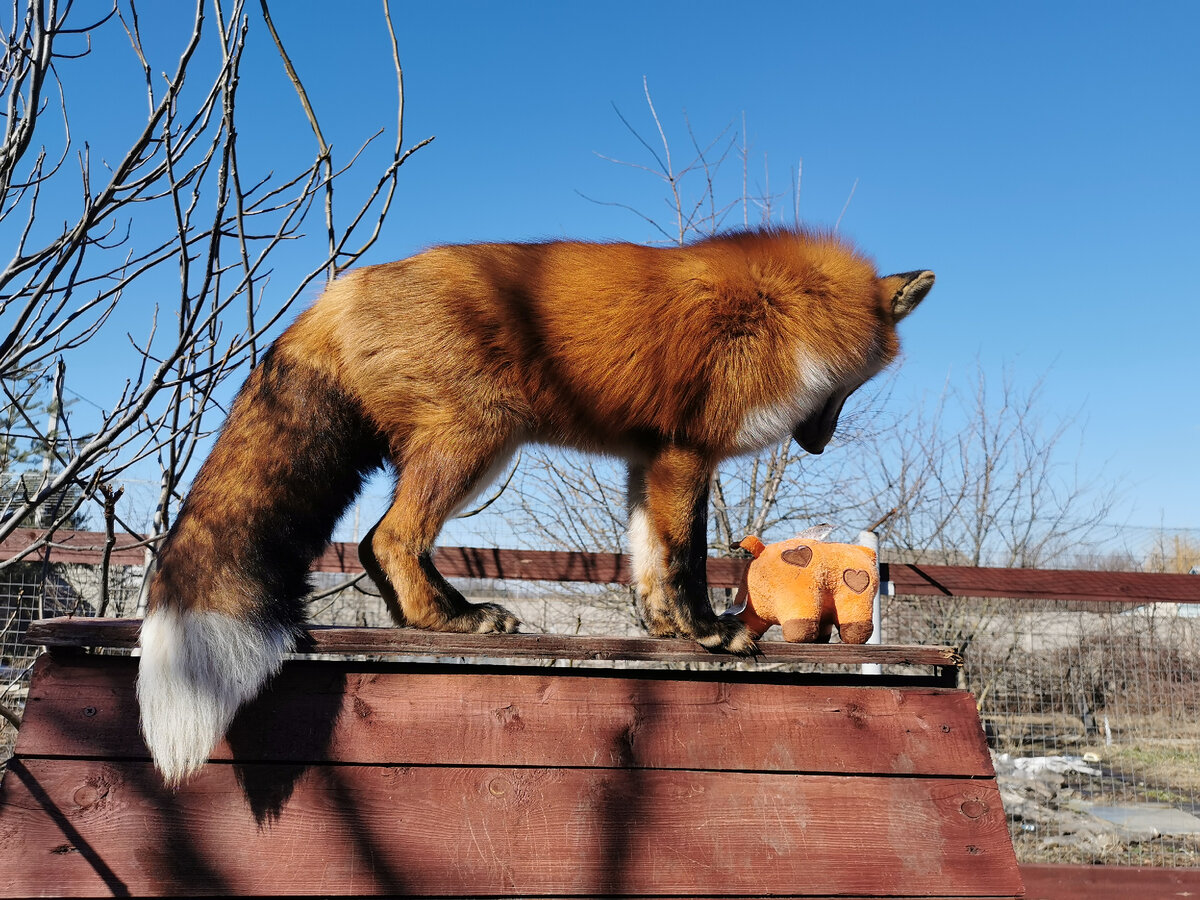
[485, 618]
[659, 623]
[728, 634]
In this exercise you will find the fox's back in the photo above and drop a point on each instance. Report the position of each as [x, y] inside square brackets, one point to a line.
[585, 340]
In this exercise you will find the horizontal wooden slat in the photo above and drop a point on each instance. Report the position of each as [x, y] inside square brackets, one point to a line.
[613, 568]
[77, 827]
[959, 581]
[69, 631]
[529, 565]
[1051, 882]
[523, 565]
[352, 712]
[74, 547]
[1043, 584]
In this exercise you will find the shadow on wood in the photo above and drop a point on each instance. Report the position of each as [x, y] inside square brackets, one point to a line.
[263, 722]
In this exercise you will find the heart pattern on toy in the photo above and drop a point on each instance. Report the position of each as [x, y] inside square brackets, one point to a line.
[798, 556]
[856, 579]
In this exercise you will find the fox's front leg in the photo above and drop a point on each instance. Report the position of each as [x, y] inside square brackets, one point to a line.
[668, 515]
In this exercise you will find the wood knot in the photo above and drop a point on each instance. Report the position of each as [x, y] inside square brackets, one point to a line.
[510, 718]
[973, 809]
[362, 708]
[88, 795]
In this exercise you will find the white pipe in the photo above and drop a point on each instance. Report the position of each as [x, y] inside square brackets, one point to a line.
[870, 540]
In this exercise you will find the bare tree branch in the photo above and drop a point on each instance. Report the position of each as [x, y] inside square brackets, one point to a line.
[65, 286]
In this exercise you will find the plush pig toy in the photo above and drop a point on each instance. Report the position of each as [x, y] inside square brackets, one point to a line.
[807, 585]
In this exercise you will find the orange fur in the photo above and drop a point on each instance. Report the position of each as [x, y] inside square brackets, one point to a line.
[806, 587]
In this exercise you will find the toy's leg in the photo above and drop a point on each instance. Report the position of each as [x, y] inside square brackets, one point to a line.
[438, 472]
[805, 598]
[668, 538]
[855, 632]
[853, 593]
[803, 631]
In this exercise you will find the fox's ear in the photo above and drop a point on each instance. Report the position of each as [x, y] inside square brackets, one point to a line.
[904, 291]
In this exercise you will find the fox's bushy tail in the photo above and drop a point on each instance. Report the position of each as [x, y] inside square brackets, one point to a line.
[226, 600]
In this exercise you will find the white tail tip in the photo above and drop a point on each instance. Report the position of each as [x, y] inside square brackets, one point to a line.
[196, 670]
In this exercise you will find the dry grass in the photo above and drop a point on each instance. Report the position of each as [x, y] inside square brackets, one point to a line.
[1170, 852]
[8, 738]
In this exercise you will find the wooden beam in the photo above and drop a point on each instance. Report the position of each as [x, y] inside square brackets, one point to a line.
[70, 631]
[1072, 585]
[86, 547]
[355, 713]
[1061, 882]
[102, 827]
[1042, 584]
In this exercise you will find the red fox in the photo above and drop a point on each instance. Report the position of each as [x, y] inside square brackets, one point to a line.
[441, 365]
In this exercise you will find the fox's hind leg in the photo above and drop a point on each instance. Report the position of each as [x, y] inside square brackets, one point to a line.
[439, 471]
[370, 564]
[668, 544]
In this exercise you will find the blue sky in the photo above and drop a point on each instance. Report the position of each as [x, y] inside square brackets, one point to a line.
[1041, 157]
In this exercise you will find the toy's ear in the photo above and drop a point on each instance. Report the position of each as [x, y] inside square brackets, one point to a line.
[753, 545]
[904, 291]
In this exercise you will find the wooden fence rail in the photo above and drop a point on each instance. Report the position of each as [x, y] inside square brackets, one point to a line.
[86, 547]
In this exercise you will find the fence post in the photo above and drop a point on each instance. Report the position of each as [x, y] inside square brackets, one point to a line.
[870, 540]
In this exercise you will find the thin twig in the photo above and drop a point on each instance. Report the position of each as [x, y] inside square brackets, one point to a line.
[13, 717]
[845, 207]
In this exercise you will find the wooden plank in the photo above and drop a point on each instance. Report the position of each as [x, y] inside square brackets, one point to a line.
[529, 565]
[613, 568]
[83, 631]
[76, 827]
[960, 581]
[1057, 882]
[1043, 584]
[74, 547]
[349, 712]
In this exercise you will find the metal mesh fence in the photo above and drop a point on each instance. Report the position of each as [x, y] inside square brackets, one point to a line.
[36, 590]
[1091, 713]
[1091, 709]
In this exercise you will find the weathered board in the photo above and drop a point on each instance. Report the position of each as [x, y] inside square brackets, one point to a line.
[353, 712]
[442, 780]
[611, 568]
[87, 631]
[1059, 882]
[451, 831]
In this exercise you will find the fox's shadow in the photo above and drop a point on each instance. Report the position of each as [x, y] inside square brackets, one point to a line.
[280, 735]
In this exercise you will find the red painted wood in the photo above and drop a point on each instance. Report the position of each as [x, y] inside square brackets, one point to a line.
[78, 827]
[1048, 882]
[1045, 584]
[611, 568]
[85, 706]
[87, 631]
[961, 581]
[74, 547]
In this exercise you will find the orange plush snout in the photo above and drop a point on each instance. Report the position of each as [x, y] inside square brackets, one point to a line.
[806, 587]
